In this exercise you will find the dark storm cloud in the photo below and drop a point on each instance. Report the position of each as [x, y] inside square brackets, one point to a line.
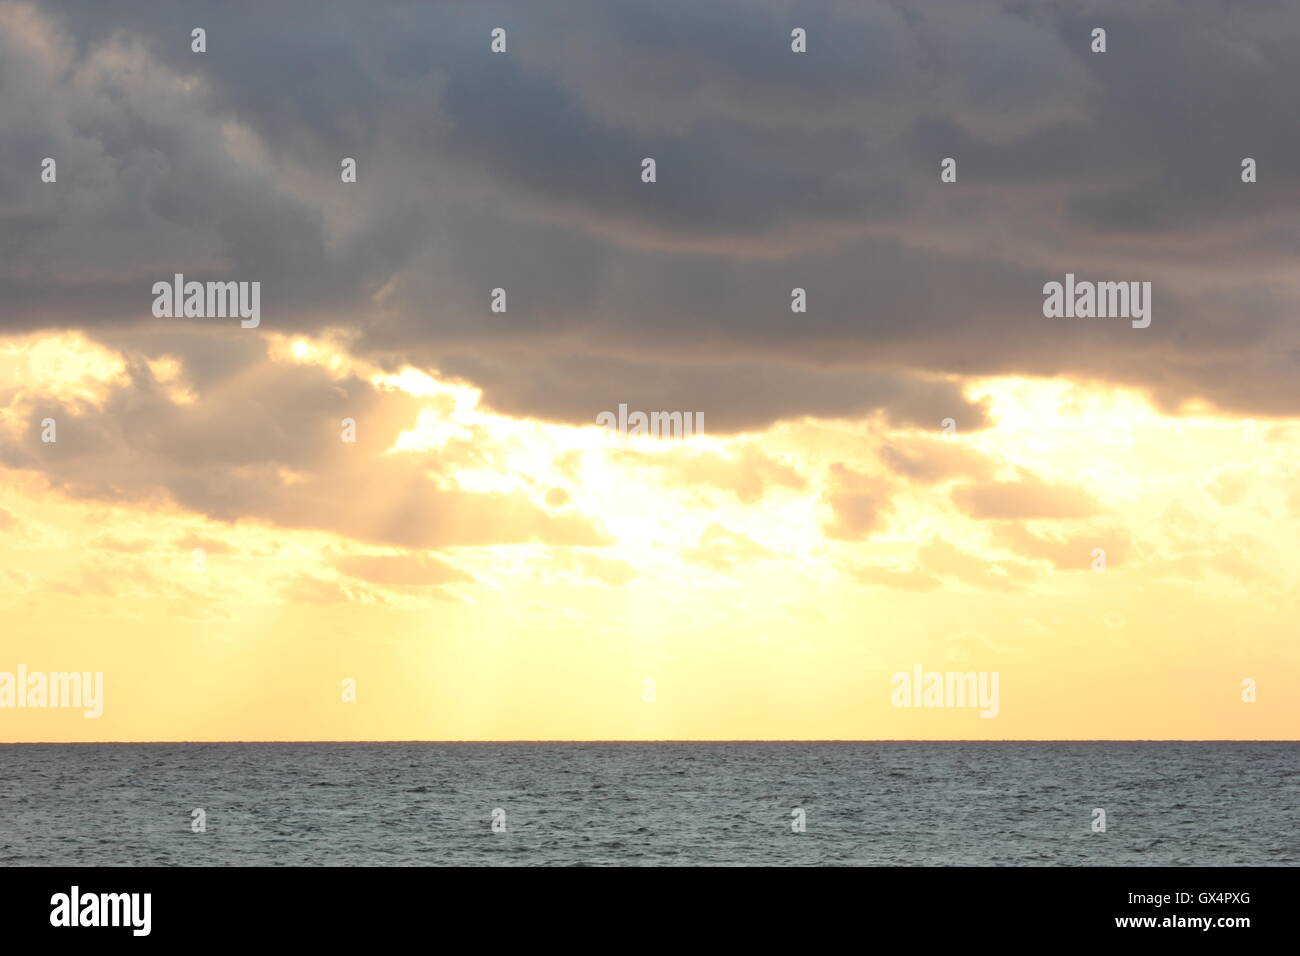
[775, 170]
[573, 390]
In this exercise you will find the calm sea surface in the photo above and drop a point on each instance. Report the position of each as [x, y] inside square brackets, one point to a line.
[651, 803]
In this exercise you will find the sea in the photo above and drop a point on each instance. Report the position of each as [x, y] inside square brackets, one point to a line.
[651, 804]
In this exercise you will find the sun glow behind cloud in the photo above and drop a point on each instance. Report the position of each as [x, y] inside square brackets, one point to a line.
[768, 583]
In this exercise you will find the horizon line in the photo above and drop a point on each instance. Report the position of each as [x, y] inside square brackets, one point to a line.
[718, 740]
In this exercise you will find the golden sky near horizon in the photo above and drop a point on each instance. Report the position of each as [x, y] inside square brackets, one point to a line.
[769, 584]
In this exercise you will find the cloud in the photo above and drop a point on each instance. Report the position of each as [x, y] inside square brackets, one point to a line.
[859, 503]
[733, 397]
[304, 588]
[8, 523]
[748, 473]
[399, 570]
[932, 460]
[889, 577]
[1066, 553]
[777, 170]
[1028, 497]
[945, 559]
[583, 568]
[208, 545]
[1229, 487]
[723, 550]
[263, 441]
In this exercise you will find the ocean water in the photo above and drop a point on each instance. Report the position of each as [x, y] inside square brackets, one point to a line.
[651, 803]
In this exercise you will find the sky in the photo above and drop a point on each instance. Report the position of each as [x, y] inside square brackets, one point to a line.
[921, 470]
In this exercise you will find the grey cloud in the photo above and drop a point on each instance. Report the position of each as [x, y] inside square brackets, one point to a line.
[776, 170]
[733, 398]
[262, 441]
